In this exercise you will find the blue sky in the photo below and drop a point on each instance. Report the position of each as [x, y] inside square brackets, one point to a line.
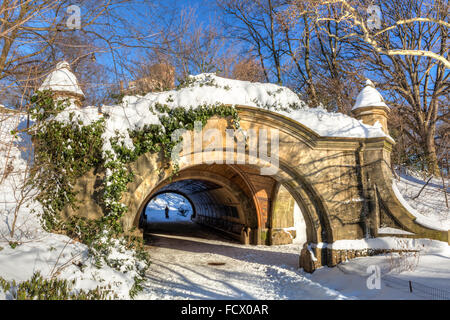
[205, 11]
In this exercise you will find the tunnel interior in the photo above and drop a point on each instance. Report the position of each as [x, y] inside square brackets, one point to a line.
[236, 202]
[212, 205]
[207, 198]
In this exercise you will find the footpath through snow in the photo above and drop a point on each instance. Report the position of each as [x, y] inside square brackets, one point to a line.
[190, 262]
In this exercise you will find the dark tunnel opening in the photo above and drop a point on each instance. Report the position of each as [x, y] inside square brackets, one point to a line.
[190, 206]
[235, 201]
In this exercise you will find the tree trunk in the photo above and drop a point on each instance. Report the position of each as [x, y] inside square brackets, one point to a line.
[430, 152]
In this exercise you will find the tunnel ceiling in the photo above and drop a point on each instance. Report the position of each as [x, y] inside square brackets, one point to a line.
[235, 195]
[190, 186]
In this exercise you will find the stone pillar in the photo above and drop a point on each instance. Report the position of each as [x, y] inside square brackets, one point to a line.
[64, 84]
[370, 115]
[282, 217]
[312, 257]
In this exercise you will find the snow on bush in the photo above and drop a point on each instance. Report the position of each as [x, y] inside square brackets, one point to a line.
[30, 249]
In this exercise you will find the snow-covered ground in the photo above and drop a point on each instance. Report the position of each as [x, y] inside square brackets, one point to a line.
[183, 257]
[190, 262]
[58, 256]
[428, 204]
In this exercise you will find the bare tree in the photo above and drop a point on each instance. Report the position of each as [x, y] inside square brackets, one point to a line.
[361, 16]
[405, 48]
[295, 49]
[189, 47]
[297, 30]
[255, 23]
[248, 70]
[34, 35]
[324, 68]
[418, 84]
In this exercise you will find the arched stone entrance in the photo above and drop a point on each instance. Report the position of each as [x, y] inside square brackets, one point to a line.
[237, 200]
[342, 185]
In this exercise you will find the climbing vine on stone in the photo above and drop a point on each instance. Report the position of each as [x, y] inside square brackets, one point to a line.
[67, 149]
[64, 151]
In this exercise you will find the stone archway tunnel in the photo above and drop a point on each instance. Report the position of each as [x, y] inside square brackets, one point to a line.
[342, 185]
[236, 200]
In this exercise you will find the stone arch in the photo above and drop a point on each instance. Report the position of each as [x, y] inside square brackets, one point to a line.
[314, 212]
[342, 185]
[197, 180]
[294, 137]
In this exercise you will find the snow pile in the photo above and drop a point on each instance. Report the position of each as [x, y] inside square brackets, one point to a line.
[385, 243]
[209, 89]
[369, 97]
[429, 207]
[134, 112]
[330, 124]
[62, 79]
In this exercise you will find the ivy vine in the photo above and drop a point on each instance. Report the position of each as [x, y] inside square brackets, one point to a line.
[66, 150]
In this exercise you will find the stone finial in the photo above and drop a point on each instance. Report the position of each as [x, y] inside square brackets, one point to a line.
[370, 107]
[63, 83]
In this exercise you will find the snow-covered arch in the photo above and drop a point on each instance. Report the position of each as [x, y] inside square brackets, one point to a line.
[236, 200]
[342, 185]
[335, 167]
